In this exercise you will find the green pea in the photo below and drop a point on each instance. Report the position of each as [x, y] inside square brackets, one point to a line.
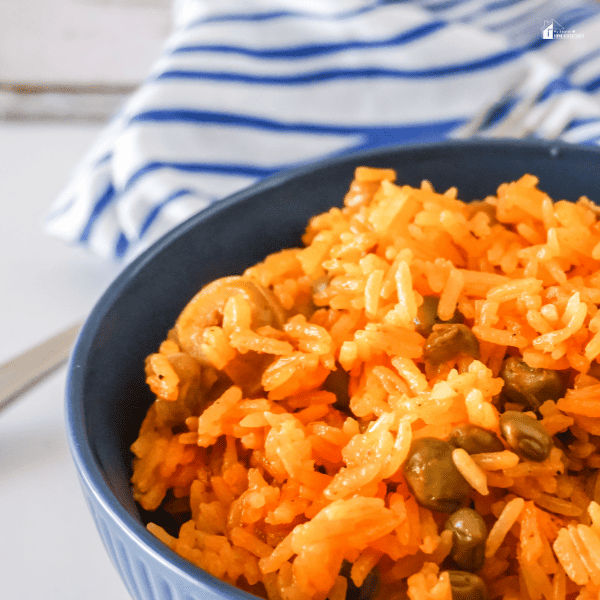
[475, 439]
[448, 341]
[427, 316]
[529, 386]
[469, 534]
[525, 435]
[467, 586]
[367, 590]
[432, 475]
[484, 207]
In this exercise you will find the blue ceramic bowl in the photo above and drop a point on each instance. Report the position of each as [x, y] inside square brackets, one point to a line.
[106, 393]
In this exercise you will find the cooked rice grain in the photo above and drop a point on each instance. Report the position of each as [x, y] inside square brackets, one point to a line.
[287, 400]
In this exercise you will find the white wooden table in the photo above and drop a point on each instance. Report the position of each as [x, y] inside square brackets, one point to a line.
[76, 59]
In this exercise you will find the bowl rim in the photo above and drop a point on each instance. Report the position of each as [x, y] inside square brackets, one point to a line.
[88, 468]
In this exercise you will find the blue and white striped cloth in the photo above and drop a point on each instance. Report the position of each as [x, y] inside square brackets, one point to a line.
[246, 88]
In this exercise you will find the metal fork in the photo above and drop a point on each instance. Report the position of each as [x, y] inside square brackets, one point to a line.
[24, 371]
[547, 119]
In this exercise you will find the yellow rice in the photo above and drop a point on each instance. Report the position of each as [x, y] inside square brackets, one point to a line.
[274, 487]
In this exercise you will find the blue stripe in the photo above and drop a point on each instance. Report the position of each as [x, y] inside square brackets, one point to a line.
[307, 51]
[282, 14]
[351, 74]
[121, 246]
[592, 85]
[199, 116]
[103, 159]
[581, 61]
[577, 15]
[67, 207]
[207, 117]
[371, 137]
[102, 202]
[499, 112]
[441, 6]
[500, 5]
[155, 211]
[407, 134]
[243, 18]
[580, 123]
[591, 142]
[213, 168]
[556, 86]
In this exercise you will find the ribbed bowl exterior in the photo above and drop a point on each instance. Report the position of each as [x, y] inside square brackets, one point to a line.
[145, 575]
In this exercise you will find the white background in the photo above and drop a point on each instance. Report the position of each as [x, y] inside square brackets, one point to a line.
[49, 548]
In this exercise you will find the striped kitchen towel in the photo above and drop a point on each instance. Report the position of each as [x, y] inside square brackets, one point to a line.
[247, 88]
